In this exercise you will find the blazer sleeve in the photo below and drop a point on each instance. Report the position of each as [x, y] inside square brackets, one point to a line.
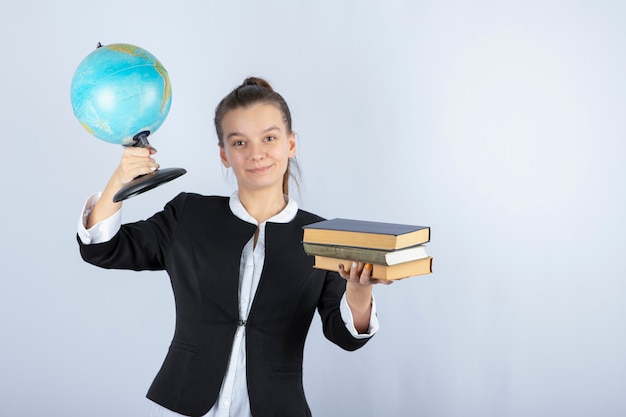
[333, 326]
[138, 246]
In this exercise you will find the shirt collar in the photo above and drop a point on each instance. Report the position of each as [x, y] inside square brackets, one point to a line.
[285, 216]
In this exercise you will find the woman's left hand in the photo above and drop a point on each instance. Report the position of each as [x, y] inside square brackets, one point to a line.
[359, 292]
[360, 273]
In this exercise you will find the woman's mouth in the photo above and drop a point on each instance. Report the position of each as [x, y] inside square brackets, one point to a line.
[259, 170]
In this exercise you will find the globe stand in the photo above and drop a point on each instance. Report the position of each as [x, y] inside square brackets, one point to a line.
[146, 182]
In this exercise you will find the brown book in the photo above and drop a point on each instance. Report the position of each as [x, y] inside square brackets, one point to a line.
[365, 234]
[394, 272]
[372, 256]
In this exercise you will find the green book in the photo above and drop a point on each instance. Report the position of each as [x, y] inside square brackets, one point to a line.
[373, 256]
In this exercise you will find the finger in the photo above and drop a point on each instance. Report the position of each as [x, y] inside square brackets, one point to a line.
[341, 271]
[140, 166]
[350, 274]
[138, 152]
[381, 281]
[356, 271]
[130, 169]
[142, 169]
[137, 157]
[366, 274]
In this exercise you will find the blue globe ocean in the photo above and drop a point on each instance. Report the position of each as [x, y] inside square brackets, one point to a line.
[120, 90]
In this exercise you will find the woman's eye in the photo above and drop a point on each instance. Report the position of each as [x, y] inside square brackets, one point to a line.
[238, 143]
[270, 138]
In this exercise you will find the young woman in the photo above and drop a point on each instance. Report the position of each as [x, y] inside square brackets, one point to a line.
[244, 288]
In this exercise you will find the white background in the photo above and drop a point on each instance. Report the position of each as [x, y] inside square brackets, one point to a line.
[499, 124]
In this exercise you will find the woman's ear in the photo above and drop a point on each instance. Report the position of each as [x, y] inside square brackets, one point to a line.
[223, 157]
[292, 144]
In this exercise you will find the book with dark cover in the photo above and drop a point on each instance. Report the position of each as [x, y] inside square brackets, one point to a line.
[373, 256]
[394, 272]
[365, 234]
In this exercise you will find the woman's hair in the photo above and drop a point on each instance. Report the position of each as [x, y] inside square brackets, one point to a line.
[254, 91]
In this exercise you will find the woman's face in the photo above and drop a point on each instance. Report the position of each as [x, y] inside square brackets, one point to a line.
[257, 146]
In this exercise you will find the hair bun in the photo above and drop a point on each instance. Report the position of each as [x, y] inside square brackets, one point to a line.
[254, 81]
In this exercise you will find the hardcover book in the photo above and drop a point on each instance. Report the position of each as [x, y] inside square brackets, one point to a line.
[373, 256]
[394, 272]
[365, 234]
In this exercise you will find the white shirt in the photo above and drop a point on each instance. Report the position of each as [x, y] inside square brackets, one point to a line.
[233, 398]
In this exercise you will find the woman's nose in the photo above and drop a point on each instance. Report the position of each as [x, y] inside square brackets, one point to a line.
[257, 152]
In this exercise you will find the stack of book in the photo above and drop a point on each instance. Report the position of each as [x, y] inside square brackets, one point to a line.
[395, 251]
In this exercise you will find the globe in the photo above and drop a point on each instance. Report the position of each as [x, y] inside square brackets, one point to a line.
[121, 94]
[119, 91]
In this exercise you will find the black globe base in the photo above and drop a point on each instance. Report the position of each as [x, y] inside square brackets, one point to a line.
[147, 182]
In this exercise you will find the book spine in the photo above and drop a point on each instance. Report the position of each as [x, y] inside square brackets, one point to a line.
[353, 239]
[349, 253]
[415, 268]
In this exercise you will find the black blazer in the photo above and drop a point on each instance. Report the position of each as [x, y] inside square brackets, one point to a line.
[199, 241]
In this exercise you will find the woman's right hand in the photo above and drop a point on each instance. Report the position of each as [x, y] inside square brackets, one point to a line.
[134, 162]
